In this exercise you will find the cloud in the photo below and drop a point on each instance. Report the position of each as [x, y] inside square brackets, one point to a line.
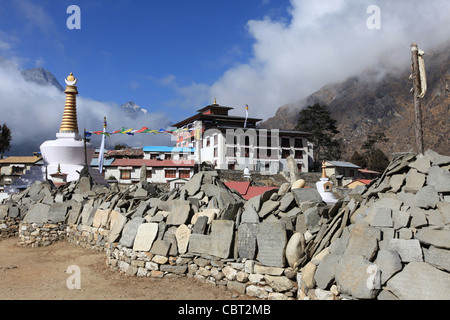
[324, 42]
[33, 112]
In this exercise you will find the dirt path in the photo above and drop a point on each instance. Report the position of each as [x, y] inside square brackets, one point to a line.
[40, 273]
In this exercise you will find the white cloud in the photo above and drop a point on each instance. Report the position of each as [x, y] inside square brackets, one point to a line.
[324, 42]
[34, 113]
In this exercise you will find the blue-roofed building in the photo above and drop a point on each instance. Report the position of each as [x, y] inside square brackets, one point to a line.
[344, 172]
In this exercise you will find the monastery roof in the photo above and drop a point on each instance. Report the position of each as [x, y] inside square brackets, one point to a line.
[20, 160]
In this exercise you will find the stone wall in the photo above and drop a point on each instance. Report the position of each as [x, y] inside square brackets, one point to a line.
[284, 244]
[40, 234]
[9, 227]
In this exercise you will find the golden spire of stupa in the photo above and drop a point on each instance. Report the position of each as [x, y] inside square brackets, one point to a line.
[324, 175]
[69, 122]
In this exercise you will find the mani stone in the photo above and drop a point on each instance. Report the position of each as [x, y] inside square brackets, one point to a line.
[436, 238]
[420, 281]
[409, 250]
[116, 227]
[427, 197]
[389, 262]
[306, 195]
[414, 181]
[57, 212]
[145, 236]
[325, 272]
[218, 243]
[182, 235]
[129, 231]
[383, 218]
[271, 240]
[246, 240]
[200, 225]
[268, 207]
[249, 215]
[37, 214]
[181, 211]
[358, 277]
[439, 178]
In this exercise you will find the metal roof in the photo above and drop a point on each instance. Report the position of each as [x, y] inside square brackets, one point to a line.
[344, 164]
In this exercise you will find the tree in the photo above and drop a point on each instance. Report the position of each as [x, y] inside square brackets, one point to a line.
[317, 120]
[374, 158]
[358, 159]
[5, 139]
[120, 146]
[378, 161]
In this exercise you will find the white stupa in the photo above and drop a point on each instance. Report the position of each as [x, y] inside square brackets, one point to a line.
[67, 154]
[325, 188]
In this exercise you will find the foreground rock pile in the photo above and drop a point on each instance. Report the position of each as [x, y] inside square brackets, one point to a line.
[398, 242]
[388, 241]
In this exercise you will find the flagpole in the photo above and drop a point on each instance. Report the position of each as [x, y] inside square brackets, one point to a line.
[246, 115]
[102, 148]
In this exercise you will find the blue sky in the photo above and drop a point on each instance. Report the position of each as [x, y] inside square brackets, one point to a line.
[136, 50]
[174, 57]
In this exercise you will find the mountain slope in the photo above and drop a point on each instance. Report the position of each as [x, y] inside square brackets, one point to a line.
[362, 105]
[132, 110]
[41, 77]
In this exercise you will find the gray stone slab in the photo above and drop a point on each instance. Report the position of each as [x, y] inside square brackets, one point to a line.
[400, 219]
[396, 181]
[382, 218]
[58, 212]
[306, 195]
[427, 197]
[194, 184]
[418, 217]
[439, 178]
[268, 207]
[312, 219]
[437, 238]
[363, 245]
[199, 244]
[420, 281]
[357, 277]
[271, 241]
[3, 211]
[129, 232]
[246, 240]
[38, 213]
[13, 212]
[438, 257]
[218, 243]
[180, 214]
[409, 250]
[249, 215]
[389, 262]
[200, 225]
[161, 247]
[222, 233]
[145, 236]
[414, 181]
[326, 270]
[286, 201]
[421, 164]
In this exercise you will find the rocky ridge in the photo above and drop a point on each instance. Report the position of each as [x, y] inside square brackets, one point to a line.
[388, 241]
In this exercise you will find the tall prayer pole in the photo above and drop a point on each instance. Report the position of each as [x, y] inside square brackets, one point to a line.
[419, 89]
